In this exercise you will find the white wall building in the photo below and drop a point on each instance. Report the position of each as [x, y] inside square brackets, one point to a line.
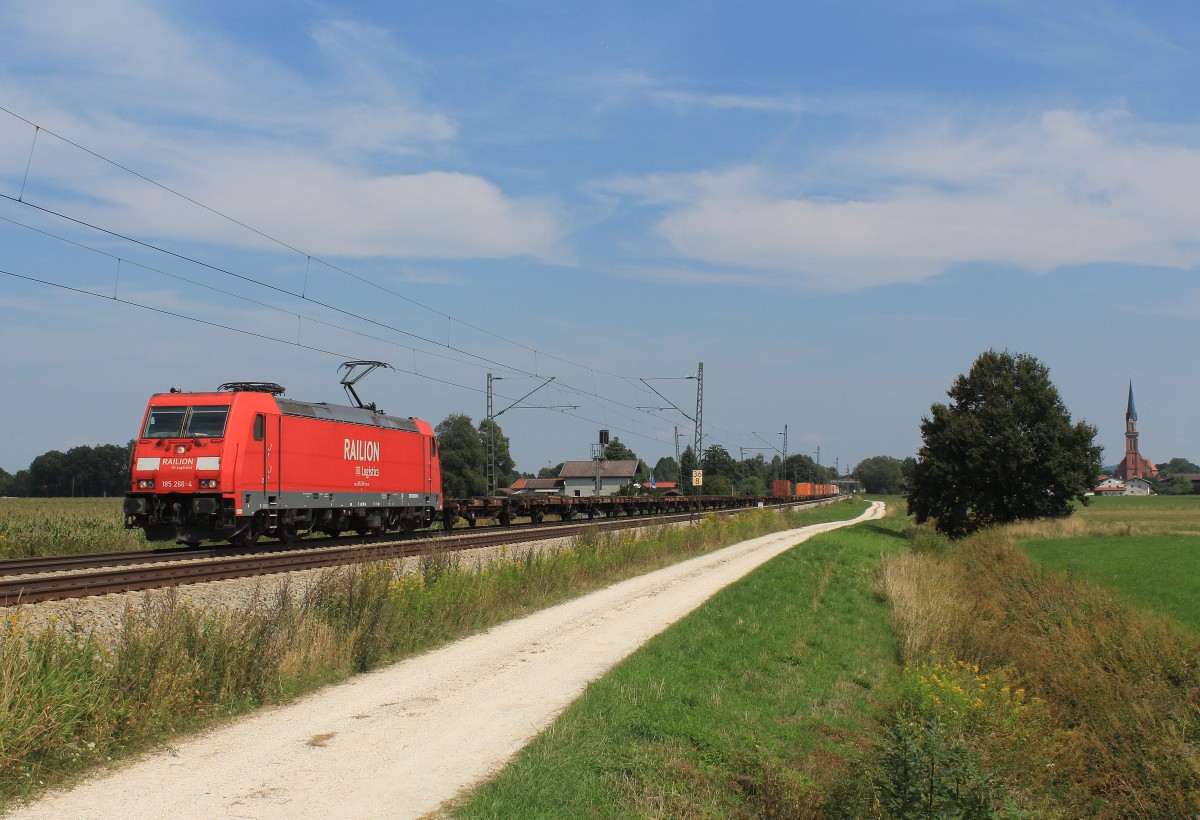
[579, 477]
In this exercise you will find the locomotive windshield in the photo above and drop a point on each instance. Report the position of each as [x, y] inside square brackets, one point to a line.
[201, 421]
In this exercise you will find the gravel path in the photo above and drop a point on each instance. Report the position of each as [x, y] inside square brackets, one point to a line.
[400, 741]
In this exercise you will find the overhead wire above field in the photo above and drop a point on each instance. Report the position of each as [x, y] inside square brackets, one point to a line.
[619, 415]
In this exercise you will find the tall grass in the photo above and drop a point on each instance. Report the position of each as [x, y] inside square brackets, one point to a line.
[68, 700]
[1118, 687]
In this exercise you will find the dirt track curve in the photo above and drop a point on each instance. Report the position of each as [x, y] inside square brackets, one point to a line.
[400, 741]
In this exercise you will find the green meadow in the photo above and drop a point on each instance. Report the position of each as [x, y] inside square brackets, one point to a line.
[759, 702]
[1144, 548]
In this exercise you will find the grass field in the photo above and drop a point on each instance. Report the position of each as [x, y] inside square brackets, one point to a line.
[1159, 573]
[1023, 693]
[1111, 684]
[758, 704]
[64, 526]
[1144, 548]
[69, 701]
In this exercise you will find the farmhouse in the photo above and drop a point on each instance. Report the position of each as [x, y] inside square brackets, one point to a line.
[579, 477]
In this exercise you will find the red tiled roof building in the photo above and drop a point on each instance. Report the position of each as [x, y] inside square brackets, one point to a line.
[1133, 465]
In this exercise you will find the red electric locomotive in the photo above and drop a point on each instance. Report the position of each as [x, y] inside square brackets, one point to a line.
[245, 462]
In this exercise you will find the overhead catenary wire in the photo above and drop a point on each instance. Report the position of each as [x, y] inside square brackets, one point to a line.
[284, 291]
[262, 234]
[609, 403]
[266, 337]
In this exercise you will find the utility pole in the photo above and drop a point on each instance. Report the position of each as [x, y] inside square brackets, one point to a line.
[491, 425]
[598, 459]
[700, 412]
[491, 443]
[698, 419]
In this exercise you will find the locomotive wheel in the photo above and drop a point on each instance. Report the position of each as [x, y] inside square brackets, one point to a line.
[286, 534]
[246, 538]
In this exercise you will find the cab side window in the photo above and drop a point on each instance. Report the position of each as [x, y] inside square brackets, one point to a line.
[260, 427]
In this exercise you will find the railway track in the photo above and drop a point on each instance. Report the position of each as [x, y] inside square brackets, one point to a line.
[101, 574]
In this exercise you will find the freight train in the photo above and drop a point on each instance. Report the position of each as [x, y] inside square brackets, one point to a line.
[244, 462]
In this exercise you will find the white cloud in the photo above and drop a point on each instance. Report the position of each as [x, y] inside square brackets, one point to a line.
[343, 162]
[328, 209]
[1066, 188]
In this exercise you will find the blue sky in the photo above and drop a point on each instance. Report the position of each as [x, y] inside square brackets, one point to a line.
[835, 206]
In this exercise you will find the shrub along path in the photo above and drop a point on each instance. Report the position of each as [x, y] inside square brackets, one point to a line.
[399, 741]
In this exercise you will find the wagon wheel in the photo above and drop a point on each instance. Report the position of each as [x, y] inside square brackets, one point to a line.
[287, 533]
[246, 538]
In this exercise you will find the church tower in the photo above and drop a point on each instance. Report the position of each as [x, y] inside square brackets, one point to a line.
[1131, 431]
[1133, 465]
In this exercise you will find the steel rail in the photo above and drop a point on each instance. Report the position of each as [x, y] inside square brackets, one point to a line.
[204, 568]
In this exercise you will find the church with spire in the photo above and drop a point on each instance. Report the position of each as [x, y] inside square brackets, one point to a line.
[1133, 465]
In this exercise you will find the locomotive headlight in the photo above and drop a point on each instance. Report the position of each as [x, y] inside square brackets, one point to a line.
[181, 449]
[145, 483]
[208, 484]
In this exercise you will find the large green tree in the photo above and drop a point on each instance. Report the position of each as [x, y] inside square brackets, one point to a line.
[1174, 486]
[616, 451]
[464, 459]
[752, 486]
[756, 467]
[688, 463]
[1004, 449]
[666, 469]
[506, 472]
[1179, 465]
[800, 467]
[102, 470]
[881, 475]
[718, 462]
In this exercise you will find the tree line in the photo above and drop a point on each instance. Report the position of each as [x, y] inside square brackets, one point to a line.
[103, 470]
[984, 441]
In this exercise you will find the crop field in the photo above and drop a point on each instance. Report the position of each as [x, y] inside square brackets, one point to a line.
[64, 526]
[1146, 549]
